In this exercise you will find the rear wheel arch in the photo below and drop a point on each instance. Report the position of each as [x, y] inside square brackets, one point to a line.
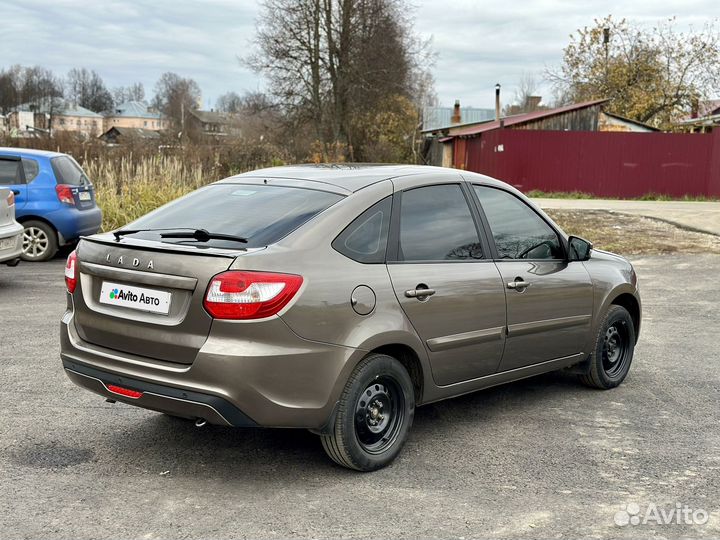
[26, 218]
[407, 356]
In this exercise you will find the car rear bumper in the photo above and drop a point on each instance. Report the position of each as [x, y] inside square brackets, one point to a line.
[286, 382]
[157, 397]
[12, 231]
[72, 223]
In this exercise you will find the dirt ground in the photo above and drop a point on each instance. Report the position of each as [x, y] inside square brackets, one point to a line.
[626, 234]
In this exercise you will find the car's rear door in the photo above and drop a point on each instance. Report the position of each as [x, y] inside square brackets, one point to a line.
[12, 176]
[549, 300]
[443, 278]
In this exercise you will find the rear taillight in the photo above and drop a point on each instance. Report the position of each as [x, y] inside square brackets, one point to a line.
[71, 272]
[249, 295]
[11, 199]
[65, 194]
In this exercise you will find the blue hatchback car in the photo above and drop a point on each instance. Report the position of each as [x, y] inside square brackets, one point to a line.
[54, 199]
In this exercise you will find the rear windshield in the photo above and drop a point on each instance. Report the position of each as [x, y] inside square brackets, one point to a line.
[262, 214]
[67, 171]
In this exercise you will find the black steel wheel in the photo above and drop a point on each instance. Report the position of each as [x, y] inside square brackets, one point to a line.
[379, 413]
[374, 415]
[614, 347]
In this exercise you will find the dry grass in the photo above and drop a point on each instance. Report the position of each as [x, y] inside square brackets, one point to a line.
[633, 235]
[127, 189]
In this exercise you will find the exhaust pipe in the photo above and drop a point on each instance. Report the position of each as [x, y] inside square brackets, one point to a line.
[200, 422]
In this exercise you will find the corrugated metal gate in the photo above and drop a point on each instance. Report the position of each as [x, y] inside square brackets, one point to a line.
[604, 164]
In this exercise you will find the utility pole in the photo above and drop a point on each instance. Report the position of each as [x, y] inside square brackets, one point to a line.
[606, 44]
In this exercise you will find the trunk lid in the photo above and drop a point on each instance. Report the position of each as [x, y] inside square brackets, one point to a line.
[110, 270]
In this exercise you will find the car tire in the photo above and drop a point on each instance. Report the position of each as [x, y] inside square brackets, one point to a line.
[613, 353]
[374, 415]
[40, 241]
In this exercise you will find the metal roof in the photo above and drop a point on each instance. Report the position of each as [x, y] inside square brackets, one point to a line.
[213, 117]
[133, 109]
[140, 133]
[524, 118]
[435, 118]
[59, 108]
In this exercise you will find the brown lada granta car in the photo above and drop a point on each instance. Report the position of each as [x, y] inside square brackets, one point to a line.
[339, 298]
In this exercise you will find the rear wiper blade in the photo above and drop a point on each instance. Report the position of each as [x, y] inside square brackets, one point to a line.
[122, 232]
[201, 235]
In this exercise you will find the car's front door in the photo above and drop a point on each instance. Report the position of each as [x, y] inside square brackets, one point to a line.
[445, 280]
[12, 176]
[549, 300]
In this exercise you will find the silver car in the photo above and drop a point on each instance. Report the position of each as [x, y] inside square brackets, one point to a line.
[339, 298]
[11, 232]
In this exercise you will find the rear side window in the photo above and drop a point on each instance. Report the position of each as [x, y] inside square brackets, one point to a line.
[31, 168]
[263, 214]
[11, 172]
[365, 239]
[67, 171]
[436, 225]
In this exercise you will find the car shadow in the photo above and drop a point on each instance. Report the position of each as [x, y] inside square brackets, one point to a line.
[173, 446]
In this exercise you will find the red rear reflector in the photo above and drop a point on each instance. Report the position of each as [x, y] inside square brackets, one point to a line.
[71, 272]
[250, 295]
[134, 394]
[65, 194]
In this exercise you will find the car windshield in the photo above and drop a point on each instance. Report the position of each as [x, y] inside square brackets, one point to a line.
[262, 214]
[67, 171]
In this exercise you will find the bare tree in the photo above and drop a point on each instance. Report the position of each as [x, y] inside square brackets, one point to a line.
[230, 102]
[175, 96]
[525, 98]
[87, 89]
[333, 62]
[133, 92]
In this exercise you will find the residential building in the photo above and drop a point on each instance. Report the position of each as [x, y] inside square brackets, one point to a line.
[447, 147]
[212, 123]
[704, 118]
[53, 117]
[122, 135]
[134, 114]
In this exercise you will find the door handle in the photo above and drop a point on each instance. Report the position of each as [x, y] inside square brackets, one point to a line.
[420, 294]
[519, 284]
[16, 192]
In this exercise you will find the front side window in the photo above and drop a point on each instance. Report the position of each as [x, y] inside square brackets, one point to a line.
[11, 172]
[519, 232]
[436, 225]
[365, 239]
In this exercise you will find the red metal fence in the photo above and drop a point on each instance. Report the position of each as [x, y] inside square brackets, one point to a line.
[602, 163]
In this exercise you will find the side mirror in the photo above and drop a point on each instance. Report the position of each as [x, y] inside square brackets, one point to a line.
[578, 249]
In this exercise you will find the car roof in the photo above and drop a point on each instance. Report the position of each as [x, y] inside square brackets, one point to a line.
[350, 176]
[29, 152]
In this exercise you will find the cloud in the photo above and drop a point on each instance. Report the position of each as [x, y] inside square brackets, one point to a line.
[479, 43]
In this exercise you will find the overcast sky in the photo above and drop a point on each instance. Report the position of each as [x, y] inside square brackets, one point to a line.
[478, 42]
